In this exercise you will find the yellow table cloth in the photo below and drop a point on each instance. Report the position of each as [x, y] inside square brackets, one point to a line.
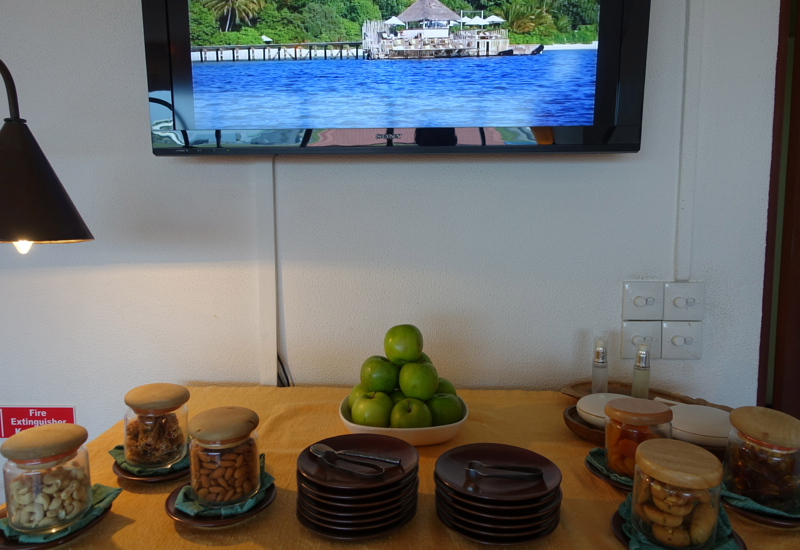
[293, 418]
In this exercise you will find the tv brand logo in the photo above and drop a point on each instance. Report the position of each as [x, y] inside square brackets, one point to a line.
[388, 136]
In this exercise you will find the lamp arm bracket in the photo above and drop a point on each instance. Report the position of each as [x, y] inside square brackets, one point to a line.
[11, 91]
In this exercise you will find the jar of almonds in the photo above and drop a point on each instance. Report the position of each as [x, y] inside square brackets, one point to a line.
[224, 455]
[676, 489]
[46, 478]
[155, 425]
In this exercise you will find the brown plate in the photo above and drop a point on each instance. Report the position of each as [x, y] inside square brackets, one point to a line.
[502, 515]
[451, 466]
[763, 519]
[315, 469]
[616, 527]
[354, 495]
[186, 519]
[507, 541]
[9, 544]
[372, 504]
[310, 508]
[584, 388]
[600, 475]
[172, 476]
[358, 535]
[355, 528]
[526, 505]
[495, 525]
[500, 535]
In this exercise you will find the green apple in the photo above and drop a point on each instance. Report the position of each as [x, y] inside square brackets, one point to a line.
[423, 358]
[403, 344]
[372, 409]
[445, 409]
[411, 413]
[357, 391]
[419, 380]
[379, 374]
[396, 396]
[445, 387]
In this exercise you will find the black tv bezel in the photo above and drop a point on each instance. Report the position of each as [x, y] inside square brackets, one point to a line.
[619, 95]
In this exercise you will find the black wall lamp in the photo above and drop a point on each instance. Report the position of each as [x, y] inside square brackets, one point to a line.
[34, 207]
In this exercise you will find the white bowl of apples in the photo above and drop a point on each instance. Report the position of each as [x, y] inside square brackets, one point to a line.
[402, 396]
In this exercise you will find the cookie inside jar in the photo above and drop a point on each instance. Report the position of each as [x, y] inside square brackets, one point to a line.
[155, 425]
[676, 490]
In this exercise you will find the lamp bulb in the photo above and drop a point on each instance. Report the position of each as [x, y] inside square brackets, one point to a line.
[23, 246]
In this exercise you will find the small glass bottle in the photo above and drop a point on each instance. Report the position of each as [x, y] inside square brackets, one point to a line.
[155, 425]
[599, 367]
[641, 373]
[630, 422]
[224, 455]
[47, 481]
[676, 490]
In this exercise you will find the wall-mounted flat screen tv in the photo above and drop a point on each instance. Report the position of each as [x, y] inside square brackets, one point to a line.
[395, 76]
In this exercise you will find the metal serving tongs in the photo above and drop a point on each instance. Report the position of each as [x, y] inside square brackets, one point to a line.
[476, 470]
[333, 459]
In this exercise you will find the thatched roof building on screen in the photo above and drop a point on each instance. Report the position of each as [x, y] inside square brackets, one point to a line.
[428, 10]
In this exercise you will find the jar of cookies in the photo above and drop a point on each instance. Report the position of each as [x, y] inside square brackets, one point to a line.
[676, 489]
[224, 455]
[47, 481]
[762, 459]
[629, 422]
[155, 425]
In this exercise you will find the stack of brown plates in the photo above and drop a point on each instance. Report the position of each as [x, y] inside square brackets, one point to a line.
[496, 510]
[339, 505]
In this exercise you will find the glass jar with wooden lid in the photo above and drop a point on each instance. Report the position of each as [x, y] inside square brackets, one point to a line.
[762, 459]
[155, 425]
[675, 499]
[224, 455]
[629, 422]
[47, 481]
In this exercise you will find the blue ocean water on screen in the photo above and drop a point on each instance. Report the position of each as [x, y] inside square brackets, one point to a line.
[555, 88]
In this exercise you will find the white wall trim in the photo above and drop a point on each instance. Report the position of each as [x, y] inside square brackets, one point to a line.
[263, 177]
[692, 83]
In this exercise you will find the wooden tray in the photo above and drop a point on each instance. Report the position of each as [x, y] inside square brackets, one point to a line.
[597, 436]
[584, 388]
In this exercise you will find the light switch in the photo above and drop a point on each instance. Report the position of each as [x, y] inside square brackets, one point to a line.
[681, 340]
[684, 301]
[642, 301]
[641, 332]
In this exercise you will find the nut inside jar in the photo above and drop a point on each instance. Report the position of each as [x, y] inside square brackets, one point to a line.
[154, 439]
[225, 476]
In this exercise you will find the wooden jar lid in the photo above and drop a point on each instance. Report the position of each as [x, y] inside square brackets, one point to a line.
[223, 424]
[156, 397]
[45, 441]
[768, 426]
[639, 412]
[679, 463]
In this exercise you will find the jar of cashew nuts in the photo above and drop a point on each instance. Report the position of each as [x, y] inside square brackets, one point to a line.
[155, 425]
[676, 489]
[46, 478]
[630, 422]
[762, 459]
[224, 455]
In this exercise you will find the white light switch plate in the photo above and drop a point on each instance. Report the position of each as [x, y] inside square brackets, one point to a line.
[681, 340]
[684, 301]
[642, 300]
[645, 332]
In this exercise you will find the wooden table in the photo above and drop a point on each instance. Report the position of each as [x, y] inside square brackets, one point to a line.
[293, 418]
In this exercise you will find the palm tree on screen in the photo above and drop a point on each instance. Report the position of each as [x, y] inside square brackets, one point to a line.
[238, 10]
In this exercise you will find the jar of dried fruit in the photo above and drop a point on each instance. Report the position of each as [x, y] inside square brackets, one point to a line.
[155, 425]
[629, 422]
[46, 478]
[762, 459]
[224, 455]
[675, 499]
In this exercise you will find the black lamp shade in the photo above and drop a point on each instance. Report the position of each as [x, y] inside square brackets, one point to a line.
[33, 204]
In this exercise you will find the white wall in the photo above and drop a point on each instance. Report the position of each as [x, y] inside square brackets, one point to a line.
[510, 265]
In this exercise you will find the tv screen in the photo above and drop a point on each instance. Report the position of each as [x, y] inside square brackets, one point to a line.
[395, 76]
